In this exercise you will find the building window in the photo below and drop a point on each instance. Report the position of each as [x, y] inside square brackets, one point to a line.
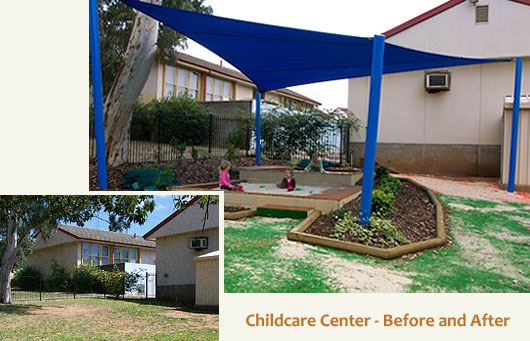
[125, 255]
[170, 76]
[218, 89]
[95, 254]
[179, 81]
[481, 14]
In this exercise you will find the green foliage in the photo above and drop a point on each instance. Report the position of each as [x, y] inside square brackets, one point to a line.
[381, 231]
[27, 278]
[117, 282]
[194, 153]
[230, 152]
[181, 120]
[87, 279]
[285, 131]
[390, 184]
[60, 279]
[380, 173]
[116, 21]
[383, 202]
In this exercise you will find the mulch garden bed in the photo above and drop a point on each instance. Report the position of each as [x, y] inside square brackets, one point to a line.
[414, 216]
[188, 171]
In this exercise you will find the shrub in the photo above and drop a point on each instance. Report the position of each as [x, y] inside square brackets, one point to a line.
[60, 279]
[87, 279]
[381, 172]
[181, 118]
[383, 202]
[381, 231]
[194, 153]
[390, 184]
[27, 278]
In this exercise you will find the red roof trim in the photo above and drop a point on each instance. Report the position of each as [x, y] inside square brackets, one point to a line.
[433, 12]
[171, 216]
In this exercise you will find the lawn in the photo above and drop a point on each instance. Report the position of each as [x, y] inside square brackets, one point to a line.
[490, 253]
[105, 319]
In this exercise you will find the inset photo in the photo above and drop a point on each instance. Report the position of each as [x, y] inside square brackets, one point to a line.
[129, 265]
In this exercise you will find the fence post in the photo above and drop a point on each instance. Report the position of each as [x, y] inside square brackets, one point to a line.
[40, 287]
[74, 281]
[210, 131]
[146, 285]
[158, 138]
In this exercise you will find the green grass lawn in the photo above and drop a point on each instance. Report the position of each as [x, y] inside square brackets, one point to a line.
[490, 253]
[105, 319]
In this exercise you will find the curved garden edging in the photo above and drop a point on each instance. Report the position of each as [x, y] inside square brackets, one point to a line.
[298, 234]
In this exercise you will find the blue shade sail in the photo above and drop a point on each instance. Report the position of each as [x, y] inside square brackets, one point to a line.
[275, 57]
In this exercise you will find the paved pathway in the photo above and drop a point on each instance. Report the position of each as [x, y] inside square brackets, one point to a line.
[477, 188]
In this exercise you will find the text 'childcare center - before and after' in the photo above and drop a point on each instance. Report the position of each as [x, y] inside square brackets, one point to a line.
[288, 170]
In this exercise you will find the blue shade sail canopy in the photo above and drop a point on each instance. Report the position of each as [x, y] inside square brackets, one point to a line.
[275, 57]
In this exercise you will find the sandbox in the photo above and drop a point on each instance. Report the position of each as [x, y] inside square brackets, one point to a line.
[273, 174]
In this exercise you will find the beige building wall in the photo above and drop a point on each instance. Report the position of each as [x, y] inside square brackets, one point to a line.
[66, 255]
[244, 93]
[147, 256]
[459, 131]
[153, 86]
[175, 263]
[207, 281]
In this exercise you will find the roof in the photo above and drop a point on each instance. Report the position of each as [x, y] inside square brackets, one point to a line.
[187, 219]
[84, 233]
[431, 13]
[189, 59]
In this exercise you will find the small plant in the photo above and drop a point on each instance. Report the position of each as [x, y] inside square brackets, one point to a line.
[381, 231]
[194, 153]
[179, 146]
[230, 152]
[381, 172]
[390, 184]
[383, 202]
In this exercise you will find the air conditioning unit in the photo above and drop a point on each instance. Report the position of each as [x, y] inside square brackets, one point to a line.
[436, 81]
[199, 243]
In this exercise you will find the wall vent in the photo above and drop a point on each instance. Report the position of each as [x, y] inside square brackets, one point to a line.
[481, 14]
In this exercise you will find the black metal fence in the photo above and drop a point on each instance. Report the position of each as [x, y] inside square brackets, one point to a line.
[37, 288]
[220, 136]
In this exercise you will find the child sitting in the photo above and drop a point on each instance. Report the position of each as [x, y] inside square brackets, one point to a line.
[315, 164]
[288, 181]
[224, 177]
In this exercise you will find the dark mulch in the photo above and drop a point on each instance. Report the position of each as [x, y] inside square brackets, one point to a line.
[414, 216]
[188, 171]
[233, 209]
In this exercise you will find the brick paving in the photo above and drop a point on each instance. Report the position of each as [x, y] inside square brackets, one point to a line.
[476, 188]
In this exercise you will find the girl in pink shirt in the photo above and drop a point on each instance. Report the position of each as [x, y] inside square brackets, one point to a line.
[224, 177]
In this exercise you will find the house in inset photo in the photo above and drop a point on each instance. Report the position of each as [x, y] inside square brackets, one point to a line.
[72, 246]
[187, 260]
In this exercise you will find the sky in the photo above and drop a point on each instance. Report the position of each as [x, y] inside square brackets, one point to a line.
[164, 206]
[357, 18]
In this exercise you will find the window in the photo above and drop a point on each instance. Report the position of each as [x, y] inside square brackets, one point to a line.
[95, 254]
[218, 89]
[481, 14]
[169, 81]
[178, 82]
[125, 255]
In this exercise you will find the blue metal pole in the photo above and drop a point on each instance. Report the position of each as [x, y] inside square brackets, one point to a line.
[97, 93]
[515, 123]
[258, 128]
[371, 131]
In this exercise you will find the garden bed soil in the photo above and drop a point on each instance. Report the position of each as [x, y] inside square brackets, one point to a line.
[414, 216]
[188, 171]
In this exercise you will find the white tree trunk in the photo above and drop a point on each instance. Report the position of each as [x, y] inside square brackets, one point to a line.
[139, 57]
[8, 261]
